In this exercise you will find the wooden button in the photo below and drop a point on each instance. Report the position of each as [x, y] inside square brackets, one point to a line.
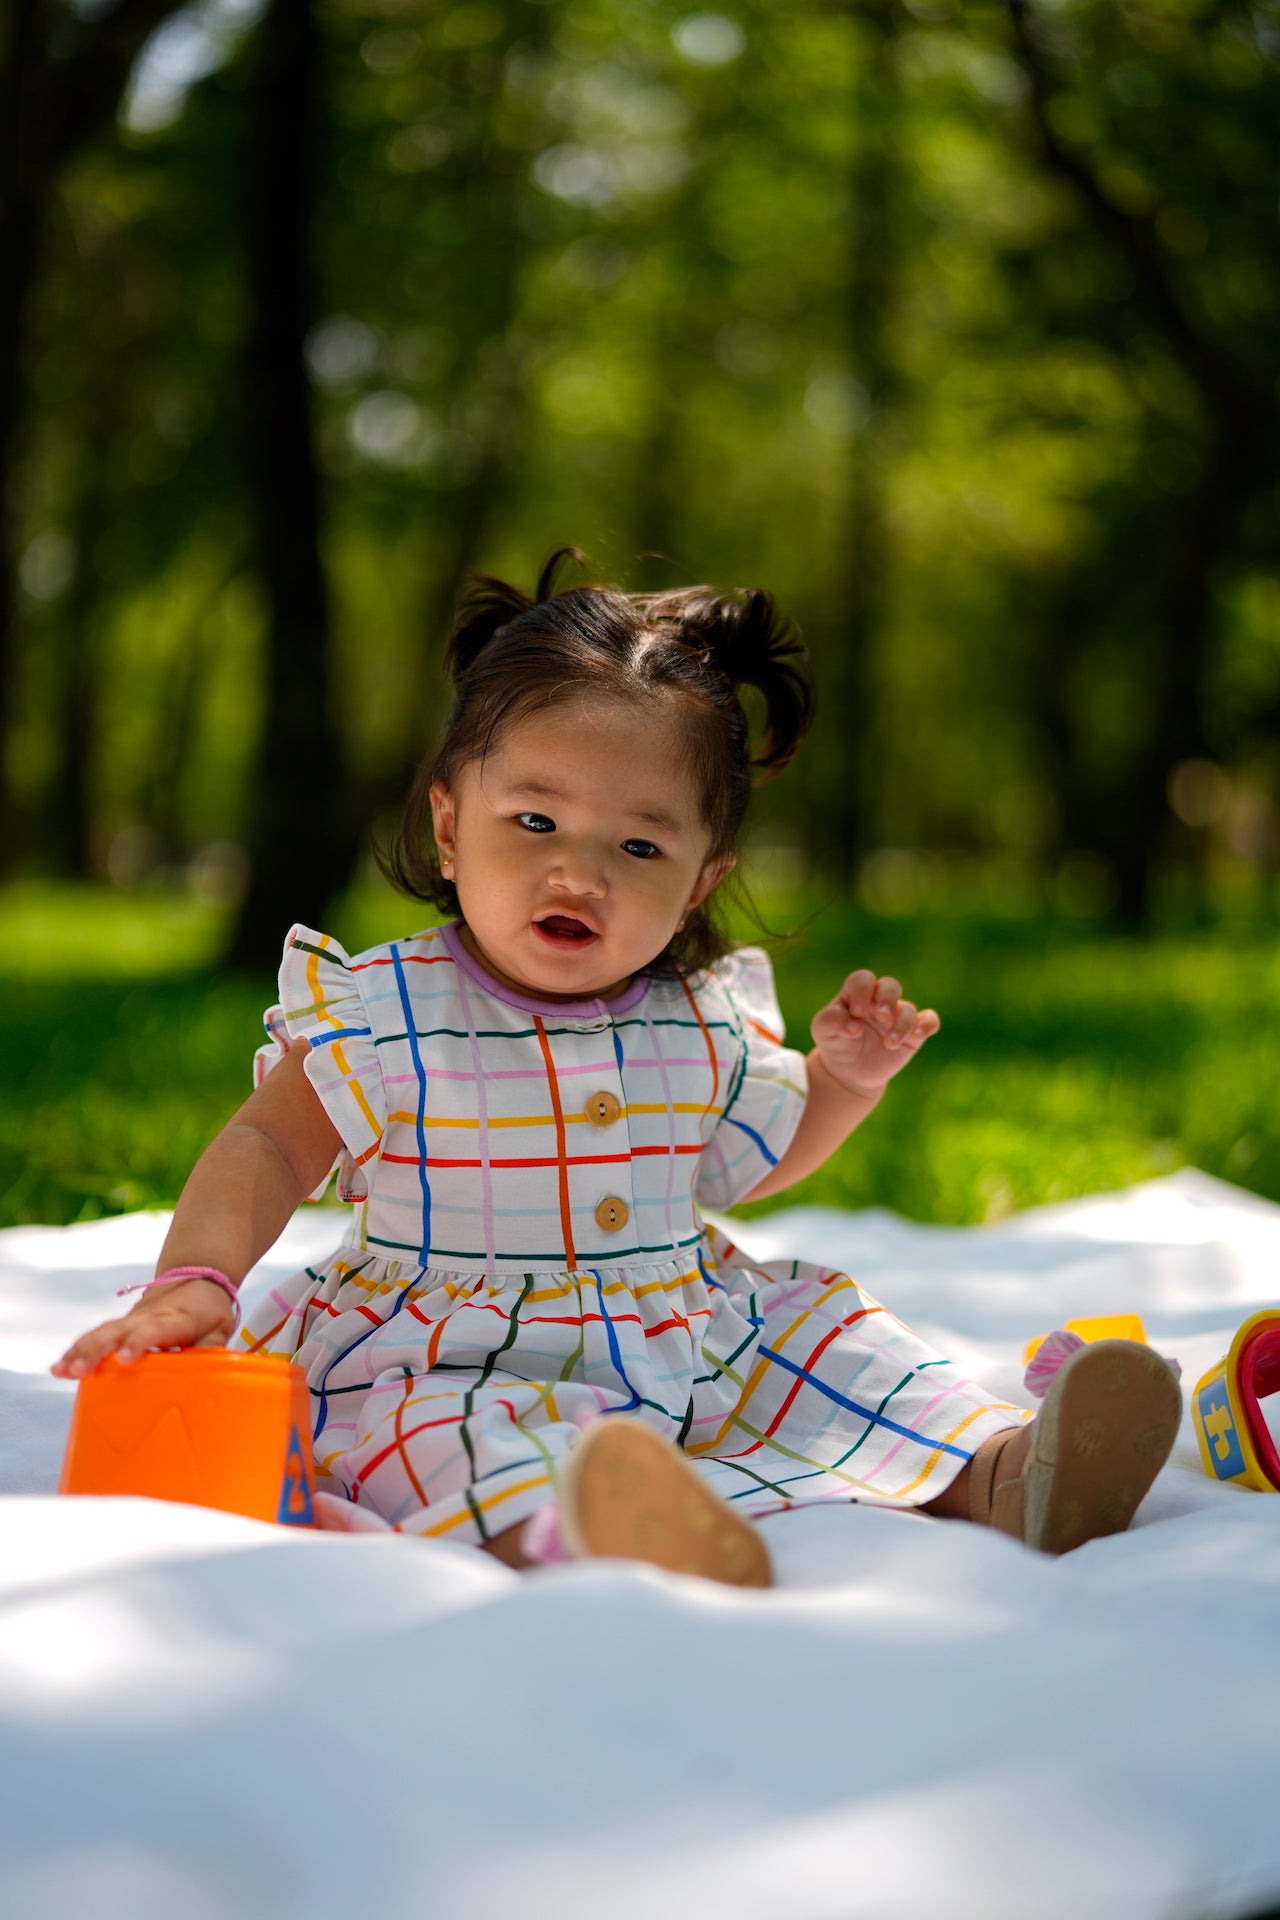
[603, 1109]
[612, 1215]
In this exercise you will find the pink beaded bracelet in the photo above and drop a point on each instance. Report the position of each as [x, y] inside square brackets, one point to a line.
[172, 1275]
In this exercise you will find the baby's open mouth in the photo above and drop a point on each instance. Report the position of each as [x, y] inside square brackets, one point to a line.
[563, 928]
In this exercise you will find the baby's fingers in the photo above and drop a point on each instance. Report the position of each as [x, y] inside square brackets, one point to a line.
[901, 1024]
[834, 1022]
[910, 1029]
[83, 1355]
[152, 1323]
[865, 997]
[856, 995]
[887, 1003]
[925, 1025]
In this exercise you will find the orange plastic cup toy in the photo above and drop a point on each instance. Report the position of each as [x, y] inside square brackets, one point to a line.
[204, 1426]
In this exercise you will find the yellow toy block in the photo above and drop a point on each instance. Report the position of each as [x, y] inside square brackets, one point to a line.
[1235, 1442]
[1099, 1326]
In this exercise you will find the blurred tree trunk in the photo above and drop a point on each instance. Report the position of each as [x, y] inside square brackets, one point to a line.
[1238, 417]
[175, 734]
[487, 372]
[848, 774]
[1062, 612]
[656, 508]
[474, 503]
[62, 74]
[1199, 532]
[17, 258]
[681, 340]
[67, 822]
[98, 413]
[301, 833]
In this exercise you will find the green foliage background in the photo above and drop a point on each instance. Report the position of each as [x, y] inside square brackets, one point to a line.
[951, 321]
[1070, 1060]
[791, 294]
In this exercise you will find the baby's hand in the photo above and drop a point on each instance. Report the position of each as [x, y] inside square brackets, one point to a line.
[869, 1032]
[186, 1313]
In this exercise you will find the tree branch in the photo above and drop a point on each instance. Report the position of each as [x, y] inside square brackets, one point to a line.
[1216, 373]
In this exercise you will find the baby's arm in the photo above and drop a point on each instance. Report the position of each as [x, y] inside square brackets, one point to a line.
[862, 1038]
[240, 1196]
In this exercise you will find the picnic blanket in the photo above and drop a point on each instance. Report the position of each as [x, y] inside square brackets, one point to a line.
[207, 1716]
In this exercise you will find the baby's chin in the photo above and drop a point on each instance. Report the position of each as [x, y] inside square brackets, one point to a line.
[551, 968]
[576, 975]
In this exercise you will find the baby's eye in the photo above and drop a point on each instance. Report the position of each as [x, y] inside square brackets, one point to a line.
[536, 822]
[642, 849]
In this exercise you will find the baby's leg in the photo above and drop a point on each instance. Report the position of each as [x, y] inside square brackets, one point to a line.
[626, 1494]
[1083, 1466]
[509, 1547]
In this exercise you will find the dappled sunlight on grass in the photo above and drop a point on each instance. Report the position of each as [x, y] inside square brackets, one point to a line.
[1069, 1061]
[105, 933]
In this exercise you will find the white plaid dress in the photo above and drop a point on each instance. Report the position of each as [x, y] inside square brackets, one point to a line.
[527, 1254]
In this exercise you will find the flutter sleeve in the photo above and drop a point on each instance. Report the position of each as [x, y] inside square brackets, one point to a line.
[320, 1008]
[767, 1085]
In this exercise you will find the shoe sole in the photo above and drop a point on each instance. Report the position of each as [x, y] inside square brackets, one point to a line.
[624, 1494]
[1107, 1426]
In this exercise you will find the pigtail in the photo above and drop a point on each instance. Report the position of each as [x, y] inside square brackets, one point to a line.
[551, 566]
[747, 639]
[487, 604]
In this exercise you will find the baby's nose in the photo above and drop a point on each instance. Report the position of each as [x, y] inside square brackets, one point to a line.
[578, 869]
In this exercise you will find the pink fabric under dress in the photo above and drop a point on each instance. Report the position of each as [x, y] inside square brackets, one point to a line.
[527, 1252]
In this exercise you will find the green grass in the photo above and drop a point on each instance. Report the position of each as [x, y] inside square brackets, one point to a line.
[1069, 1061]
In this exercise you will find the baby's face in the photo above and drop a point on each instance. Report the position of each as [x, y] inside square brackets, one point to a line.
[577, 847]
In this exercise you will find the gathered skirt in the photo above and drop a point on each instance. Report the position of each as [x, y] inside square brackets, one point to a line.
[444, 1402]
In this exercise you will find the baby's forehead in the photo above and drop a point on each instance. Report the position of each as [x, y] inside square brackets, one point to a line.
[604, 750]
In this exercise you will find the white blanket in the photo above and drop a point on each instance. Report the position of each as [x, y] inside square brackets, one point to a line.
[213, 1719]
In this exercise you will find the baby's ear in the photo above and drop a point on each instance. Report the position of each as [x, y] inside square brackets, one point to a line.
[711, 876]
[443, 820]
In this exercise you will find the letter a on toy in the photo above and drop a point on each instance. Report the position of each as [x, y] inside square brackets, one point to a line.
[295, 1494]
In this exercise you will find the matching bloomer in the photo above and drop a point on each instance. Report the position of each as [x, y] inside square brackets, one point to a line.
[527, 1251]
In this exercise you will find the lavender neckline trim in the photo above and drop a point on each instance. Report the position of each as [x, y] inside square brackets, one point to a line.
[529, 1003]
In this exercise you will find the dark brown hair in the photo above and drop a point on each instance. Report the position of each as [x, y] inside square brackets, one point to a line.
[510, 655]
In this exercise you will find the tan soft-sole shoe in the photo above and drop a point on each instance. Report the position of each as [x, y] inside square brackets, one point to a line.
[624, 1494]
[1106, 1428]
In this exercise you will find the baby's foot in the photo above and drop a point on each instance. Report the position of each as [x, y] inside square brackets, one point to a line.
[625, 1494]
[1108, 1424]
